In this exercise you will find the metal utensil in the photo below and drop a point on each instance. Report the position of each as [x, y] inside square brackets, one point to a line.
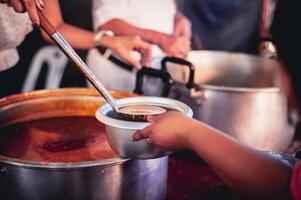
[138, 114]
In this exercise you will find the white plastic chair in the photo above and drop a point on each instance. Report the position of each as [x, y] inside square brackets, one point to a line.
[56, 62]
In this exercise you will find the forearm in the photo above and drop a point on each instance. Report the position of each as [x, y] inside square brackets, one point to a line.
[244, 170]
[81, 39]
[122, 28]
[77, 37]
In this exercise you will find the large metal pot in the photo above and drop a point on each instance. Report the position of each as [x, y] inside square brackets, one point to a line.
[235, 93]
[110, 178]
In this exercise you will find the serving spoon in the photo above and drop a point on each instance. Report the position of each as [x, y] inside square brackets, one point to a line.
[132, 112]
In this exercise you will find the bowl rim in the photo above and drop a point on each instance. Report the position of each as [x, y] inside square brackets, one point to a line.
[140, 100]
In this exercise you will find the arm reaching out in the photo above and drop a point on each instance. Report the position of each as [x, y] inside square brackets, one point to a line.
[172, 45]
[247, 171]
[83, 39]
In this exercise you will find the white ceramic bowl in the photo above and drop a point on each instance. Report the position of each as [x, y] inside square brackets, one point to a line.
[119, 132]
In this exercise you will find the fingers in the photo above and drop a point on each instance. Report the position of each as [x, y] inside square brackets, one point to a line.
[145, 50]
[146, 56]
[40, 4]
[181, 51]
[124, 45]
[149, 141]
[178, 53]
[150, 118]
[139, 135]
[31, 7]
[177, 47]
[153, 118]
[18, 6]
[131, 60]
[138, 43]
[144, 133]
[147, 131]
[184, 51]
[183, 46]
[183, 31]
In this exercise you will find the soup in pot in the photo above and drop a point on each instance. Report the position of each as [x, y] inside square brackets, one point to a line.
[62, 139]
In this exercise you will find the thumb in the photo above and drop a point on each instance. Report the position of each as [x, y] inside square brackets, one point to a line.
[151, 118]
[32, 11]
[144, 49]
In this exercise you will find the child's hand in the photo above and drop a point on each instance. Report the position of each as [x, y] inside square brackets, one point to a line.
[169, 131]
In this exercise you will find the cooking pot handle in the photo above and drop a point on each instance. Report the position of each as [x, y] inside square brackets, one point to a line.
[163, 75]
[190, 84]
[119, 62]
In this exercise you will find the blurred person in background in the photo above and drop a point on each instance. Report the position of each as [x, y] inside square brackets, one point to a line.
[231, 25]
[15, 26]
[84, 39]
[156, 22]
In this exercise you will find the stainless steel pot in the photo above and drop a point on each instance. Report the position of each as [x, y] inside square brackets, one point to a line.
[112, 178]
[235, 93]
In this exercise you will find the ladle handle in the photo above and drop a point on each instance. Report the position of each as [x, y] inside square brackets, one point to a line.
[119, 62]
[59, 40]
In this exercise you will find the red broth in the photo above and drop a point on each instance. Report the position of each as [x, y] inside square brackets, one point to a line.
[64, 139]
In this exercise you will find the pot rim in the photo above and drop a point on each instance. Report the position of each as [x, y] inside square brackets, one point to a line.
[231, 55]
[149, 100]
[44, 93]
[62, 165]
[238, 89]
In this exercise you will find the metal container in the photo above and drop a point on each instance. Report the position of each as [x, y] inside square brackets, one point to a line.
[113, 178]
[119, 132]
[235, 93]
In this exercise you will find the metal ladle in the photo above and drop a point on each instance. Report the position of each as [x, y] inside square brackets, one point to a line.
[132, 113]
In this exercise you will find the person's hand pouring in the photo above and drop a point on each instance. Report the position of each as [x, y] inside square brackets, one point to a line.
[29, 6]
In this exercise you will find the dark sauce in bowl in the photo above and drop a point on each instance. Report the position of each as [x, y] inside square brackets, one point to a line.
[114, 115]
[63, 139]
